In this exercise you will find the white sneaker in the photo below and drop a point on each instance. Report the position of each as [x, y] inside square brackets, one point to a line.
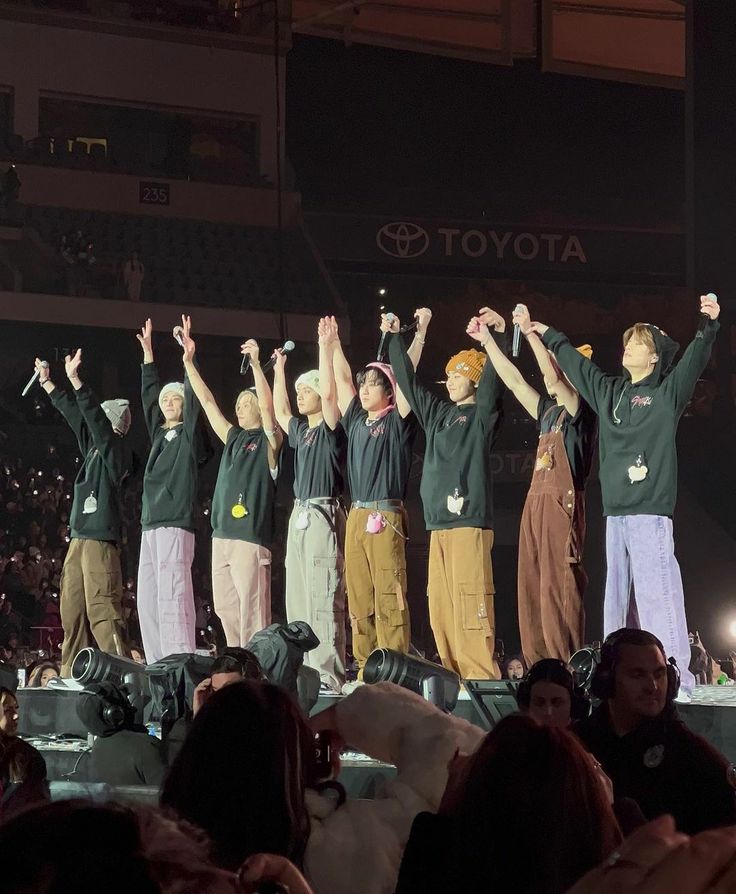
[683, 698]
[351, 686]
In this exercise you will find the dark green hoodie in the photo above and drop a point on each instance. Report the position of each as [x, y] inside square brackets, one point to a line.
[107, 463]
[170, 480]
[638, 422]
[457, 456]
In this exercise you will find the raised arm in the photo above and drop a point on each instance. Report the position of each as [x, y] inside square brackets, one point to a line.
[150, 382]
[327, 338]
[683, 378]
[527, 396]
[565, 393]
[265, 403]
[393, 324]
[219, 424]
[281, 402]
[66, 405]
[423, 316]
[424, 404]
[343, 374]
[592, 384]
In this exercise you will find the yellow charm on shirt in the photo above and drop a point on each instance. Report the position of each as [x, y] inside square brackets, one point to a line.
[545, 462]
[239, 510]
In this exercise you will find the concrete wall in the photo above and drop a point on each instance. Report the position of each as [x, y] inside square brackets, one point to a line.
[36, 59]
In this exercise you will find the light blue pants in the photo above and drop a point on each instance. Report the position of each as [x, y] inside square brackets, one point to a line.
[644, 585]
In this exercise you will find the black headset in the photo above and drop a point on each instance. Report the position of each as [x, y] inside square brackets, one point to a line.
[603, 680]
[551, 670]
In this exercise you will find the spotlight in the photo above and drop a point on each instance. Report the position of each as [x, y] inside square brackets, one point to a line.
[382, 291]
[432, 681]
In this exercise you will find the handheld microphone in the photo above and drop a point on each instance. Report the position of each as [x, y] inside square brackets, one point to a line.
[271, 362]
[179, 335]
[516, 342]
[36, 374]
[390, 317]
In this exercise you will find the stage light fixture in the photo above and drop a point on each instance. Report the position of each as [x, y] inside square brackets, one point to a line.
[732, 629]
[432, 681]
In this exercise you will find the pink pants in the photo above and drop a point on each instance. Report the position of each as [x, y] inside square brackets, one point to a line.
[241, 588]
[165, 593]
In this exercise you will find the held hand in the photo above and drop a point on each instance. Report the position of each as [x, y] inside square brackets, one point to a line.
[280, 360]
[390, 323]
[186, 324]
[251, 348]
[478, 330]
[423, 316]
[43, 371]
[521, 317]
[709, 307]
[72, 364]
[144, 337]
[326, 331]
[202, 692]
[492, 319]
[539, 328]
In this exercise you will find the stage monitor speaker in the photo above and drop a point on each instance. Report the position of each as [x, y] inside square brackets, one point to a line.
[492, 699]
[49, 712]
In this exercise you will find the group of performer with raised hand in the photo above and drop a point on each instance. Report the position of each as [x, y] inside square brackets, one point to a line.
[367, 425]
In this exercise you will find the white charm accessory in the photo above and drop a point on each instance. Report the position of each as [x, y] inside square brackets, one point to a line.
[171, 434]
[639, 471]
[90, 505]
[455, 503]
[302, 520]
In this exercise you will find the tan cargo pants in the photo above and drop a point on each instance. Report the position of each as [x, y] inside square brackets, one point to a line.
[375, 576]
[461, 609]
[91, 600]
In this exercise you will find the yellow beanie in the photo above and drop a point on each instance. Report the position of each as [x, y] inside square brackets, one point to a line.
[468, 363]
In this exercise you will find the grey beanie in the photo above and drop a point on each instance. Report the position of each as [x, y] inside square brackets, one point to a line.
[171, 388]
[118, 412]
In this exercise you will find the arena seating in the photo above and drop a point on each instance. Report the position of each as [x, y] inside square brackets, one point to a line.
[192, 262]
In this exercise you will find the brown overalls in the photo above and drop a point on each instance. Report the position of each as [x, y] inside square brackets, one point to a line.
[551, 577]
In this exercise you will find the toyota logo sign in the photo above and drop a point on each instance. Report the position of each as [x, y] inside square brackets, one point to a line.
[402, 239]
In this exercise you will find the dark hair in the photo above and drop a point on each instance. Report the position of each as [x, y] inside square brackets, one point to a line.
[242, 771]
[115, 864]
[520, 658]
[530, 794]
[377, 376]
[235, 660]
[5, 691]
[34, 679]
[632, 636]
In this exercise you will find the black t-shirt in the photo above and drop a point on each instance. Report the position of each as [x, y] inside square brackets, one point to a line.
[379, 453]
[318, 456]
[244, 481]
[579, 432]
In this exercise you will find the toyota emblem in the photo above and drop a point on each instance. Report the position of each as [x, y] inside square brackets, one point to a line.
[402, 239]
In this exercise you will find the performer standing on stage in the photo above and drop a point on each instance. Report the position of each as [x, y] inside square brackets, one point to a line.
[244, 498]
[380, 430]
[551, 577]
[91, 579]
[314, 548]
[638, 415]
[457, 495]
[165, 593]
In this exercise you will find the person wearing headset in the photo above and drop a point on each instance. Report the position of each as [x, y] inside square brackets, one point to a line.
[643, 746]
[123, 753]
[548, 694]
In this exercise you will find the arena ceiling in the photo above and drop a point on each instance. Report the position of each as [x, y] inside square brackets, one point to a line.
[639, 41]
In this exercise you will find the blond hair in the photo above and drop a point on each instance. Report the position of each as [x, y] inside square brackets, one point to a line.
[643, 334]
[252, 399]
